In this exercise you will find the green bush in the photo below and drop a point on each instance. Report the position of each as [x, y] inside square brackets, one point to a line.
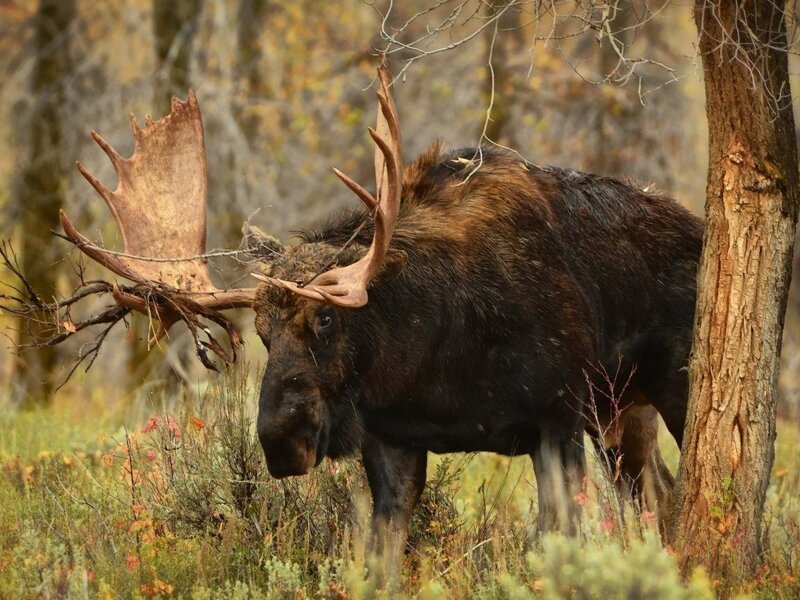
[602, 570]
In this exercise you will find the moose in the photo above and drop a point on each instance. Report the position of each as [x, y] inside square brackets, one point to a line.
[472, 304]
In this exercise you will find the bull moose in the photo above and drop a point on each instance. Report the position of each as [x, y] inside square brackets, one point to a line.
[470, 305]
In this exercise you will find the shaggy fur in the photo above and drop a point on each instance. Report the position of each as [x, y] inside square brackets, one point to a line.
[509, 290]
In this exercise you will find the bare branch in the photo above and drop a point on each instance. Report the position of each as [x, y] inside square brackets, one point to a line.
[162, 304]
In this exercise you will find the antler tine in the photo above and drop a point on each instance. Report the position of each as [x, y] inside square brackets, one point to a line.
[347, 286]
[116, 161]
[368, 199]
[94, 182]
[388, 204]
[112, 154]
[388, 130]
[387, 127]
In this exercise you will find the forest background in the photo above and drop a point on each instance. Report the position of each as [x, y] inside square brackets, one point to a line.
[285, 94]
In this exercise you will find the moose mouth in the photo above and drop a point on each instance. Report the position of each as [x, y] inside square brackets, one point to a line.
[300, 459]
[281, 469]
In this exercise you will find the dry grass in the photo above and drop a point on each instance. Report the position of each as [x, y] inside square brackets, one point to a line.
[171, 498]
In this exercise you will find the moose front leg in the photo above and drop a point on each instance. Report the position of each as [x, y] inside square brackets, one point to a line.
[396, 477]
[560, 468]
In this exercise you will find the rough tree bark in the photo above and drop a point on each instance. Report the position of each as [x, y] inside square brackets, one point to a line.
[41, 187]
[743, 282]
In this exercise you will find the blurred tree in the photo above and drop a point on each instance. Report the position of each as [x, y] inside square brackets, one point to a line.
[627, 121]
[498, 86]
[789, 382]
[175, 25]
[251, 80]
[616, 107]
[751, 210]
[41, 187]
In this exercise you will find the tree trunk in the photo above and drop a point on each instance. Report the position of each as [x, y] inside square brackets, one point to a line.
[499, 86]
[743, 282]
[252, 83]
[174, 25]
[42, 186]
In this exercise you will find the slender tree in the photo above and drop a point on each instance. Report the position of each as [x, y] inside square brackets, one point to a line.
[252, 84]
[751, 211]
[175, 25]
[41, 188]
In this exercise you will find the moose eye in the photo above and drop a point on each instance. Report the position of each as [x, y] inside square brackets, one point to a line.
[324, 321]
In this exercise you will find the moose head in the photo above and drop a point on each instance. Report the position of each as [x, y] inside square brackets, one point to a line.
[302, 317]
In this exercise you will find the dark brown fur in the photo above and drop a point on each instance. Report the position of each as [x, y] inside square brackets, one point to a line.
[504, 286]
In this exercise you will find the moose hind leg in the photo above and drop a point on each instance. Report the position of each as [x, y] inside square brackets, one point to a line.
[560, 468]
[634, 460]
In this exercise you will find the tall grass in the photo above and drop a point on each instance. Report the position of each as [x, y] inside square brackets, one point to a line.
[171, 498]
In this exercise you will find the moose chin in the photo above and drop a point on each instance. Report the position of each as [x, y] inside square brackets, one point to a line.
[476, 302]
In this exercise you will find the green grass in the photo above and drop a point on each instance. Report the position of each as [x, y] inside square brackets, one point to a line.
[171, 498]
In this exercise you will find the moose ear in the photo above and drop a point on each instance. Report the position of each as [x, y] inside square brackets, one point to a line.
[260, 245]
[393, 264]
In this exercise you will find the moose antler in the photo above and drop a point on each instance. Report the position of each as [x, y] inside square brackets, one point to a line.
[347, 286]
[160, 200]
[160, 207]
